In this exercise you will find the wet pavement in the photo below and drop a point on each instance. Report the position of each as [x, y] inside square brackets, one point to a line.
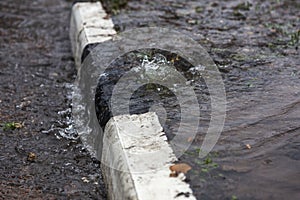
[254, 44]
[256, 47]
[36, 70]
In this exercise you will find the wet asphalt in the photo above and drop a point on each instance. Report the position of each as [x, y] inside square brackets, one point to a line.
[256, 48]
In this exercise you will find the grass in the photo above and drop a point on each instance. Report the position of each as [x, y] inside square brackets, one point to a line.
[11, 126]
[243, 6]
[294, 38]
[286, 31]
[206, 164]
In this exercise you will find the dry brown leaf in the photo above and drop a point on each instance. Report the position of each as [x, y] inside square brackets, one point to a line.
[19, 125]
[179, 168]
[31, 156]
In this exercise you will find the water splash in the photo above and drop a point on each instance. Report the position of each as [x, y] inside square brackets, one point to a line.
[64, 127]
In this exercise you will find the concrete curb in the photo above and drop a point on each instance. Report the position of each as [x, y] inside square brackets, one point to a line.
[89, 25]
[142, 157]
[136, 155]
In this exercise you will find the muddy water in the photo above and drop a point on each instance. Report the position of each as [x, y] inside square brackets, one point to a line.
[256, 47]
[36, 70]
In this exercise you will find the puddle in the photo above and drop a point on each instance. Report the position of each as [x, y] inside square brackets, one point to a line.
[145, 70]
[257, 51]
[137, 81]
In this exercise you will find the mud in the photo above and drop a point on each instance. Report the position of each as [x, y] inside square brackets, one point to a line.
[36, 70]
[256, 47]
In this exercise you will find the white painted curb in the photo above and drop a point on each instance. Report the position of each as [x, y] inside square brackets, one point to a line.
[136, 158]
[89, 25]
[136, 155]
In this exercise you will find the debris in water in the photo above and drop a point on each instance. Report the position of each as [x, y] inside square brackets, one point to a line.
[186, 194]
[85, 180]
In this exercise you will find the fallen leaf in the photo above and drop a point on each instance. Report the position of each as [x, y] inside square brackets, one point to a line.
[31, 157]
[19, 125]
[179, 168]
